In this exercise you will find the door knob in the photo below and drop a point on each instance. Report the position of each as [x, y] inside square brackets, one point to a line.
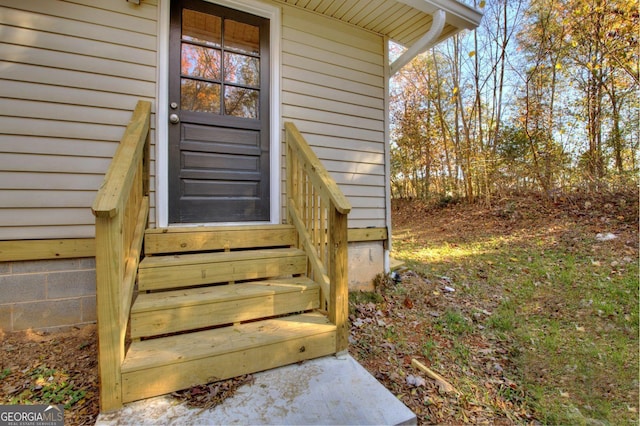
[174, 119]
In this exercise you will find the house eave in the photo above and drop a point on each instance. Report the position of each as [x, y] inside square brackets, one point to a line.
[459, 15]
[403, 21]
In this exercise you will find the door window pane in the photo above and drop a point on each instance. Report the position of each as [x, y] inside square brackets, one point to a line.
[241, 69]
[240, 102]
[242, 37]
[199, 96]
[201, 27]
[198, 61]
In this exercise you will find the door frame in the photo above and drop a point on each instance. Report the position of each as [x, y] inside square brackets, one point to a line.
[255, 7]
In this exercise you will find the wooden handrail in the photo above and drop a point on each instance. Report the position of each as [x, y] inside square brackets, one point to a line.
[121, 208]
[316, 170]
[318, 209]
[122, 170]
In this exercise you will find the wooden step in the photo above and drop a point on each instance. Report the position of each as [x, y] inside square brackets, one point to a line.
[192, 239]
[163, 365]
[180, 310]
[184, 270]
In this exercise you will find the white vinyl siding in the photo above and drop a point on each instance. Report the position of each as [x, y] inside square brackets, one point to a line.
[71, 73]
[333, 91]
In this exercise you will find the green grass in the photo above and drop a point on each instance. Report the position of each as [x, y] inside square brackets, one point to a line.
[571, 316]
[47, 386]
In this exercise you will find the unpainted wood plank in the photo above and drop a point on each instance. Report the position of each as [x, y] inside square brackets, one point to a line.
[198, 308]
[161, 380]
[169, 261]
[339, 291]
[324, 181]
[318, 269]
[202, 344]
[147, 302]
[367, 234]
[109, 273]
[196, 269]
[199, 239]
[118, 178]
[18, 250]
[132, 260]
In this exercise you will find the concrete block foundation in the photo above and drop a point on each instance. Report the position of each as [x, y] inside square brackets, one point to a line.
[47, 294]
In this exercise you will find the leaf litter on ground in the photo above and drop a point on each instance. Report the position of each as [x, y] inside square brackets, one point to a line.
[521, 269]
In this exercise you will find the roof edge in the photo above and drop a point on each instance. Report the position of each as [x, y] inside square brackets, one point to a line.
[458, 14]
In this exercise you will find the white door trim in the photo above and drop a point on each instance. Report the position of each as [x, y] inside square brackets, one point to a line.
[255, 7]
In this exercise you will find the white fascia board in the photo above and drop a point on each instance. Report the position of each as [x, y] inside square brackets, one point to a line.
[458, 14]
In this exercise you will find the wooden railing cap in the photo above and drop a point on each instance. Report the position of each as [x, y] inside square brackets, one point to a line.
[120, 171]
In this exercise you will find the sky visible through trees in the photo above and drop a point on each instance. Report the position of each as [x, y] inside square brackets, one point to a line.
[543, 96]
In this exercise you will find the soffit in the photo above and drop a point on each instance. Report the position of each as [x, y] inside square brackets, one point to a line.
[401, 22]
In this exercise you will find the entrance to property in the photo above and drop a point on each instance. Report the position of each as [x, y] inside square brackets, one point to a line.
[219, 159]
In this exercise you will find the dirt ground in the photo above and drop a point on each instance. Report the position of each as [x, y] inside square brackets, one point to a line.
[61, 367]
[58, 368]
[423, 317]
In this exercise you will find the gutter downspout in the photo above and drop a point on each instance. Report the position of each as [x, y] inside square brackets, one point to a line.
[423, 44]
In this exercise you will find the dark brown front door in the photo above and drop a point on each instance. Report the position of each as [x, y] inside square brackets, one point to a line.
[219, 114]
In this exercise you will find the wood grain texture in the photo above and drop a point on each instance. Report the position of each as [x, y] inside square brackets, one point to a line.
[158, 366]
[163, 272]
[175, 240]
[180, 310]
[18, 250]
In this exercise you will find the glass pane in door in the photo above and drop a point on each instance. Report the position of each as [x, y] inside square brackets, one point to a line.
[202, 28]
[241, 37]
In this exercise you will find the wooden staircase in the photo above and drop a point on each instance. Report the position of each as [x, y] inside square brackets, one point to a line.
[184, 306]
[227, 311]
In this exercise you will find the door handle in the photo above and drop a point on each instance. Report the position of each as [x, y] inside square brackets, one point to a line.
[174, 119]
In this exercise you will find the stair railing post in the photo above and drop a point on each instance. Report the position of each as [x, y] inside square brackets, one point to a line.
[109, 272]
[339, 290]
[121, 210]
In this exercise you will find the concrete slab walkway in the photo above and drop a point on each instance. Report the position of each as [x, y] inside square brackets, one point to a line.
[325, 391]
